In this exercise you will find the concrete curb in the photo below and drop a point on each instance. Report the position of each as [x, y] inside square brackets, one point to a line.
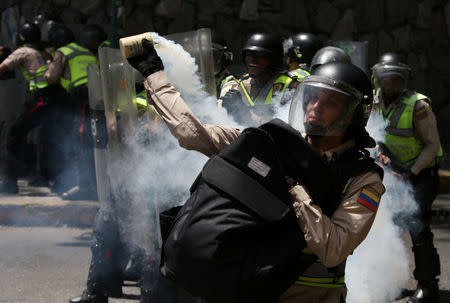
[37, 206]
[444, 181]
[73, 214]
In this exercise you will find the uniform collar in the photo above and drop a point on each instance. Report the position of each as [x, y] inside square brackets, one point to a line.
[387, 108]
[334, 153]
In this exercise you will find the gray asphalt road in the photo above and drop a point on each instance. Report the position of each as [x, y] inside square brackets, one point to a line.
[45, 265]
[49, 265]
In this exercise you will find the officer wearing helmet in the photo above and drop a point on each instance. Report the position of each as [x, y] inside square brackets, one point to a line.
[69, 69]
[92, 37]
[329, 54]
[299, 50]
[222, 59]
[31, 59]
[251, 99]
[412, 150]
[332, 105]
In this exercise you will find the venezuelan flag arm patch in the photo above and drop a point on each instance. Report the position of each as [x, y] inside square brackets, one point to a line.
[421, 113]
[369, 198]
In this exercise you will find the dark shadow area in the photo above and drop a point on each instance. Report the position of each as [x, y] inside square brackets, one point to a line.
[130, 297]
[444, 295]
[74, 244]
[130, 284]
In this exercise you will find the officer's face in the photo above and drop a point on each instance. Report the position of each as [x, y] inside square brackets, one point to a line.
[256, 65]
[324, 107]
[391, 85]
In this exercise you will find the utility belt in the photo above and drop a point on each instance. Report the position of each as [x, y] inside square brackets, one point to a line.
[48, 90]
[429, 171]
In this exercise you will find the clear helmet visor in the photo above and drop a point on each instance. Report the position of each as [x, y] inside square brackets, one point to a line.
[386, 74]
[322, 109]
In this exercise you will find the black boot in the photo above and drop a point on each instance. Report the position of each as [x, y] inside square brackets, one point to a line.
[90, 297]
[426, 292]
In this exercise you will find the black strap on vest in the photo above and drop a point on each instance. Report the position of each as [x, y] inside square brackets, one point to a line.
[219, 173]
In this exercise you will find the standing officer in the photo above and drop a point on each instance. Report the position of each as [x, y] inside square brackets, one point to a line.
[31, 59]
[301, 49]
[222, 59]
[250, 100]
[92, 37]
[335, 100]
[412, 149]
[69, 68]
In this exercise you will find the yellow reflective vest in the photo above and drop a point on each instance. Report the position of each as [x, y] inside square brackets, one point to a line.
[400, 139]
[37, 80]
[78, 59]
[278, 88]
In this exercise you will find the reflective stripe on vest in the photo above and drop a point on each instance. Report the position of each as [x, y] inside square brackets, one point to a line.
[333, 280]
[284, 80]
[300, 73]
[141, 102]
[399, 137]
[79, 58]
[36, 81]
[226, 80]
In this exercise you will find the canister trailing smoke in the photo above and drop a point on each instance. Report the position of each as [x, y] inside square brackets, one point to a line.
[132, 46]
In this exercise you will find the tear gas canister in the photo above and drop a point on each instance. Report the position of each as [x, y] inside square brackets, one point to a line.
[132, 46]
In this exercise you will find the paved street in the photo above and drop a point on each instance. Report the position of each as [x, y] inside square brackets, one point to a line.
[49, 265]
[46, 265]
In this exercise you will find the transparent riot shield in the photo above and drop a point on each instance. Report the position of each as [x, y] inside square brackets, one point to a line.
[99, 133]
[131, 198]
[357, 50]
[198, 44]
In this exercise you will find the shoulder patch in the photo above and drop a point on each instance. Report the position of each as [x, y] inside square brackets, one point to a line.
[369, 198]
[421, 113]
[276, 88]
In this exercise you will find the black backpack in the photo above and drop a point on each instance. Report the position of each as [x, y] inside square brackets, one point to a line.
[237, 239]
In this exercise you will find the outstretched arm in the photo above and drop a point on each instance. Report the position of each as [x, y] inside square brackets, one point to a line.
[183, 124]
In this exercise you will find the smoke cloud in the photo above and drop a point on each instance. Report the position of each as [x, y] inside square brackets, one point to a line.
[151, 172]
[378, 269]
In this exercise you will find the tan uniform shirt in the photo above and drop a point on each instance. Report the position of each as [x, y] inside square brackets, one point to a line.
[425, 130]
[27, 57]
[331, 239]
[57, 68]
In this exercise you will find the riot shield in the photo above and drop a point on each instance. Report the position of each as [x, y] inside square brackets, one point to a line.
[357, 50]
[198, 44]
[99, 133]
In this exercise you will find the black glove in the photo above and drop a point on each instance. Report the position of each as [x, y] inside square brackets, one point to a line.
[149, 62]
[232, 101]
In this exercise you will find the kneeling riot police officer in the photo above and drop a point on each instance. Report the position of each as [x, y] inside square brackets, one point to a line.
[334, 103]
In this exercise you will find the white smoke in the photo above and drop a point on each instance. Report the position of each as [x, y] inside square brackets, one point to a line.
[379, 268]
[152, 177]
